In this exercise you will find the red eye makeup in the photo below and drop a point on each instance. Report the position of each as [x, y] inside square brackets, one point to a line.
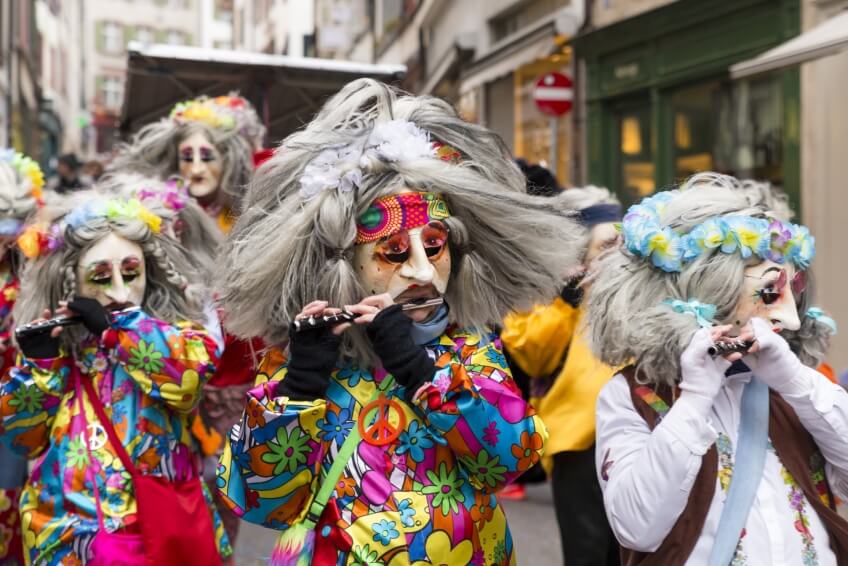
[772, 292]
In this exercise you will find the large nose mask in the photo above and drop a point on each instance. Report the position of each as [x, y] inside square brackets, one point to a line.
[772, 292]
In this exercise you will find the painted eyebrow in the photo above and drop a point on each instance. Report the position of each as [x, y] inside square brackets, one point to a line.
[770, 269]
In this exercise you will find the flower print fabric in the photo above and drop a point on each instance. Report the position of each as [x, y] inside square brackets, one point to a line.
[149, 374]
[425, 498]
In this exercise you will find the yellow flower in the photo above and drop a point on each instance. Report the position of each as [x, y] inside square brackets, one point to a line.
[441, 553]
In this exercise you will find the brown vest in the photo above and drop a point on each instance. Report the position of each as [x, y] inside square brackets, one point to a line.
[796, 450]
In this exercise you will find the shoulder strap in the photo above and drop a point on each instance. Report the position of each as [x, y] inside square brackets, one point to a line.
[116, 443]
[329, 481]
[750, 458]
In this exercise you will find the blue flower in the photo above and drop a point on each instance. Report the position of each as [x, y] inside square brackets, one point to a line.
[336, 426]
[705, 237]
[353, 375]
[406, 512]
[414, 440]
[384, 531]
[495, 357]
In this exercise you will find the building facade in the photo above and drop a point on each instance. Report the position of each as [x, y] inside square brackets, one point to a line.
[279, 27]
[108, 26]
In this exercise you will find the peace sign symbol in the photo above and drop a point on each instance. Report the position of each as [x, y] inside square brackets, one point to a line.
[382, 430]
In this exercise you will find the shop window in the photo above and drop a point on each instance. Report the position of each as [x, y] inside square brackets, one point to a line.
[636, 174]
[733, 128]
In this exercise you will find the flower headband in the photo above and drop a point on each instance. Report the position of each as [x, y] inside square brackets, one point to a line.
[114, 209]
[646, 237]
[394, 141]
[29, 171]
[224, 112]
[40, 239]
[392, 213]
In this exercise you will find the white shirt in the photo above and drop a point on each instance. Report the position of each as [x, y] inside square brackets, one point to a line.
[646, 475]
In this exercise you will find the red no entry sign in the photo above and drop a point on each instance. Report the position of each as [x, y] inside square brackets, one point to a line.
[553, 94]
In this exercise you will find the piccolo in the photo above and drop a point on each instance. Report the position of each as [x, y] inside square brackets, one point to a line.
[315, 322]
[45, 326]
[724, 348]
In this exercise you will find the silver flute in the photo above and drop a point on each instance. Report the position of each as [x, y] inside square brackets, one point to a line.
[316, 322]
[724, 348]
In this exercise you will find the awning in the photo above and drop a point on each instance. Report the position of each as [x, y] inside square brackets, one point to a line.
[827, 38]
[286, 91]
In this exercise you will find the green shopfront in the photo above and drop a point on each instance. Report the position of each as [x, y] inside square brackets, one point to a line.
[660, 104]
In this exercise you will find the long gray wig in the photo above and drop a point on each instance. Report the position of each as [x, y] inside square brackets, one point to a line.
[153, 152]
[629, 323]
[53, 277]
[509, 250]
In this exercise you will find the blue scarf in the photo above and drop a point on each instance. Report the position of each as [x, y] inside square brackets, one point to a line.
[427, 331]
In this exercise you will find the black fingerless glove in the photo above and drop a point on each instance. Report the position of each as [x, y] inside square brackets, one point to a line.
[313, 356]
[40, 345]
[94, 316]
[391, 335]
[572, 293]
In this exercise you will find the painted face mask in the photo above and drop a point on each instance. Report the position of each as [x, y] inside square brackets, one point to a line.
[402, 249]
[771, 291]
[112, 271]
[200, 165]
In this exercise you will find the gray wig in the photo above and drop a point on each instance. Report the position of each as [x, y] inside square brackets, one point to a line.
[195, 230]
[578, 198]
[153, 152]
[510, 250]
[628, 323]
[50, 278]
[16, 198]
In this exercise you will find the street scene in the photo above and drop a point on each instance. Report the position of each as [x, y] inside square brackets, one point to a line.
[423, 282]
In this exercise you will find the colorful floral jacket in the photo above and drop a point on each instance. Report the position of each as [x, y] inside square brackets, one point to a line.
[149, 375]
[428, 496]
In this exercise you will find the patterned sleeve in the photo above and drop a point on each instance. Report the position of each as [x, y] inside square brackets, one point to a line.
[274, 456]
[30, 396]
[170, 363]
[476, 407]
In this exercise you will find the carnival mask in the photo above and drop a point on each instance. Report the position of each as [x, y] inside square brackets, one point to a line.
[771, 291]
[200, 165]
[112, 271]
[402, 249]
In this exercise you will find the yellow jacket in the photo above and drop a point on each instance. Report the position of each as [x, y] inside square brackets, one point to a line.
[537, 341]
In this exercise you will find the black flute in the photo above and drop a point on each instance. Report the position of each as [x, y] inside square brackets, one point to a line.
[45, 326]
[723, 348]
[315, 322]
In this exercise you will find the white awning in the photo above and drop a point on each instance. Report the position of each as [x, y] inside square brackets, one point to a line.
[827, 38]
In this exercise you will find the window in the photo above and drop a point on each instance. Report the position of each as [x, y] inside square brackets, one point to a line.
[112, 92]
[145, 35]
[524, 14]
[176, 37]
[112, 37]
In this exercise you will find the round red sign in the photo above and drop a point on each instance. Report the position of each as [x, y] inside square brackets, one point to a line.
[553, 94]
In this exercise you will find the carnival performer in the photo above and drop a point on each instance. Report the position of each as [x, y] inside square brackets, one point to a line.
[549, 341]
[384, 440]
[222, 402]
[21, 184]
[719, 444]
[104, 404]
[209, 142]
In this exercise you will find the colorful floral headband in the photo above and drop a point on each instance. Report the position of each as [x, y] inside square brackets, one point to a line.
[40, 239]
[392, 213]
[646, 237]
[394, 141]
[29, 171]
[224, 112]
[114, 209]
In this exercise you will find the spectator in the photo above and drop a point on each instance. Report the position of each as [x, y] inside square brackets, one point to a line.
[67, 177]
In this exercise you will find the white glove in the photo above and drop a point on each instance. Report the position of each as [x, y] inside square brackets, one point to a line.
[701, 375]
[775, 364]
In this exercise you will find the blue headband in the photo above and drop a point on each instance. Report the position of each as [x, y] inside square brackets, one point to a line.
[599, 214]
